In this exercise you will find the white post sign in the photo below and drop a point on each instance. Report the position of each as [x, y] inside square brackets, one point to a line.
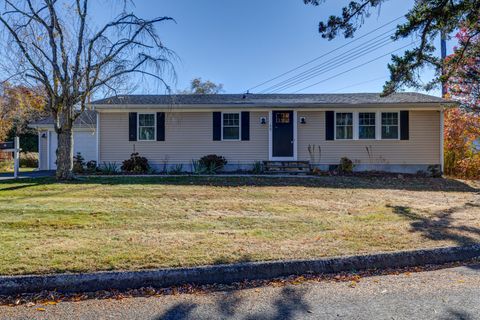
[16, 156]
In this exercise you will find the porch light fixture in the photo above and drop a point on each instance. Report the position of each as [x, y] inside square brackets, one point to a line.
[263, 120]
[44, 135]
[303, 120]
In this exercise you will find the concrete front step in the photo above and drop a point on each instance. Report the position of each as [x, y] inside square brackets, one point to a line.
[287, 167]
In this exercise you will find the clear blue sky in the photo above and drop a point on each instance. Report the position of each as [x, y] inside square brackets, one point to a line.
[243, 43]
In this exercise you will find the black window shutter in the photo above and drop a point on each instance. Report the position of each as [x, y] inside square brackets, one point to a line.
[160, 126]
[217, 126]
[132, 126]
[330, 125]
[245, 126]
[404, 126]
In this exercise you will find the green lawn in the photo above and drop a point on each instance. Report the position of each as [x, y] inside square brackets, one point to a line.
[135, 223]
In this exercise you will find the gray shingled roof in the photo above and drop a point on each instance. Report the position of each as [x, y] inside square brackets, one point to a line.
[87, 119]
[270, 99]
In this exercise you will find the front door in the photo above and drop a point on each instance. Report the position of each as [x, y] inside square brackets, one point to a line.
[282, 134]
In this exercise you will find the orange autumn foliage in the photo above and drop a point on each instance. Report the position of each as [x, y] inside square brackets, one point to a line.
[462, 144]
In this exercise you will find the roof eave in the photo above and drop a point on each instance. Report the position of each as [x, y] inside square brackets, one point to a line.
[178, 107]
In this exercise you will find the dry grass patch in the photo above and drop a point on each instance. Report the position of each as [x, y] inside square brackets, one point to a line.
[135, 223]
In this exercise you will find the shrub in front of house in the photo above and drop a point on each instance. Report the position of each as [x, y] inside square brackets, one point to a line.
[136, 164]
[346, 166]
[28, 159]
[91, 166]
[212, 162]
[108, 168]
[78, 163]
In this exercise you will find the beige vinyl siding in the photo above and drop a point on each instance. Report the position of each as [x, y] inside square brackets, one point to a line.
[188, 136]
[43, 150]
[423, 147]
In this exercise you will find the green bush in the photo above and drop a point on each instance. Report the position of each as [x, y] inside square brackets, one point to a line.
[109, 168]
[91, 166]
[212, 163]
[346, 165]
[257, 167]
[136, 164]
[78, 163]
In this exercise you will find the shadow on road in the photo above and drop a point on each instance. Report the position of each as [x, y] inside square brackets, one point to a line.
[290, 304]
[457, 315]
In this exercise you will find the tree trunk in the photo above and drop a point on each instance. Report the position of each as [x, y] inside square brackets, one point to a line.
[65, 155]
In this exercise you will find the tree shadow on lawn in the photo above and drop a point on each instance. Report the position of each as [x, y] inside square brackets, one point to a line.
[12, 185]
[393, 182]
[290, 304]
[409, 183]
[440, 225]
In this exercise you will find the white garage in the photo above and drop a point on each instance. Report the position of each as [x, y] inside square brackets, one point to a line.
[84, 140]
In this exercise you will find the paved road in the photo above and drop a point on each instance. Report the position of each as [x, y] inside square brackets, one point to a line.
[442, 294]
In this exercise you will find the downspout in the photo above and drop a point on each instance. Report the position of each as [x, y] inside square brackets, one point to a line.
[443, 47]
[442, 160]
[97, 132]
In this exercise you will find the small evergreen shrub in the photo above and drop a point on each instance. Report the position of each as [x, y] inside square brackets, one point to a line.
[136, 164]
[78, 163]
[346, 165]
[257, 167]
[213, 163]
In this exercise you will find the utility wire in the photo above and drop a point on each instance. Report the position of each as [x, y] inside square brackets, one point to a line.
[354, 52]
[333, 64]
[356, 67]
[359, 84]
[323, 55]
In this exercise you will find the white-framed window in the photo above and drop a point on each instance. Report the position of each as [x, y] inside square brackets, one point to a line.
[231, 126]
[344, 125]
[390, 125]
[366, 125]
[147, 126]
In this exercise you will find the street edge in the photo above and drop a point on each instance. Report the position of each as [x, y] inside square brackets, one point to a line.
[225, 274]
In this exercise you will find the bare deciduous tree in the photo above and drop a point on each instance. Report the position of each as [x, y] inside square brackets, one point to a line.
[56, 45]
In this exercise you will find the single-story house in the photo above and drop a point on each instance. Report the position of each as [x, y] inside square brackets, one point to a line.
[398, 133]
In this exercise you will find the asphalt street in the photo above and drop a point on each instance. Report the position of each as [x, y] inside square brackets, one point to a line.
[452, 293]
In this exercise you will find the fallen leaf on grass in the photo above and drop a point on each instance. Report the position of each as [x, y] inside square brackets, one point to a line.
[41, 309]
[49, 303]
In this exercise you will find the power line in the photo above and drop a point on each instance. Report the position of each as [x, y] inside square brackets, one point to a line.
[356, 67]
[332, 65]
[359, 83]
[323, 55]
[328, 63]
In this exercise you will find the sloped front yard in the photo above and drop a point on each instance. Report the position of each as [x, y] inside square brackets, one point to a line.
[134, 223]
